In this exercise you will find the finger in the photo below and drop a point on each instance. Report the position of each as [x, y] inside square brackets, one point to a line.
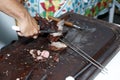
[36, 32]
[19, 33]
[39, 32]
[35, 36]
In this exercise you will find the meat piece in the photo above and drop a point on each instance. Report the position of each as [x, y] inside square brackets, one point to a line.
[35, 53]
[53, 37]
[56, 34]
[39, 55]
[60, 25]
[57, 46]
[44, 24]
[45, 54]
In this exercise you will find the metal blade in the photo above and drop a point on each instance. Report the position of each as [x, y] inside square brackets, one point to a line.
[47, 31]
[52, 31]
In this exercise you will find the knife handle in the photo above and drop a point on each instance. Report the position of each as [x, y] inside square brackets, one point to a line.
[66, 22]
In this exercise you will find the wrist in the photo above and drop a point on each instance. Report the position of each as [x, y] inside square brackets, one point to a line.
[22, 15]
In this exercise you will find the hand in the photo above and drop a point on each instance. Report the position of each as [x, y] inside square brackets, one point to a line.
[28, 27]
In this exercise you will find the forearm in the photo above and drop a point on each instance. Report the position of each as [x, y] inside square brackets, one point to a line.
[27, 24]
[13, 8]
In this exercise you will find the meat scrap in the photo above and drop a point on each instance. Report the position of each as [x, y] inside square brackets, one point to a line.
[54, 37]
[44, 55]
[45, 24]
[54, 45]
[57, 46]
[39, 55]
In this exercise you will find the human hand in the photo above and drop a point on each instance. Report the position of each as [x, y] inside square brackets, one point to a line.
[28, 27]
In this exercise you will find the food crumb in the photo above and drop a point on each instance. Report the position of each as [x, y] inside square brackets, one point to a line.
[8, 55]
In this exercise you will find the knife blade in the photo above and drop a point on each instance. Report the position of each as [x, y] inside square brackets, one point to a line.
[16, 28]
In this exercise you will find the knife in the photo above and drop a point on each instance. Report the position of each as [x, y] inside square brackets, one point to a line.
[16, 28]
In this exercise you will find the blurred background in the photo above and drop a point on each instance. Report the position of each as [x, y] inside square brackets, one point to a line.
[6, 33]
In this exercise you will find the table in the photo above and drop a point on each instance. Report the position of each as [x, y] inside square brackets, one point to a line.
[113, 69]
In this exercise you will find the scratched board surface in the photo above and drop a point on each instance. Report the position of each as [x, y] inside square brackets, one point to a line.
[99, 39]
